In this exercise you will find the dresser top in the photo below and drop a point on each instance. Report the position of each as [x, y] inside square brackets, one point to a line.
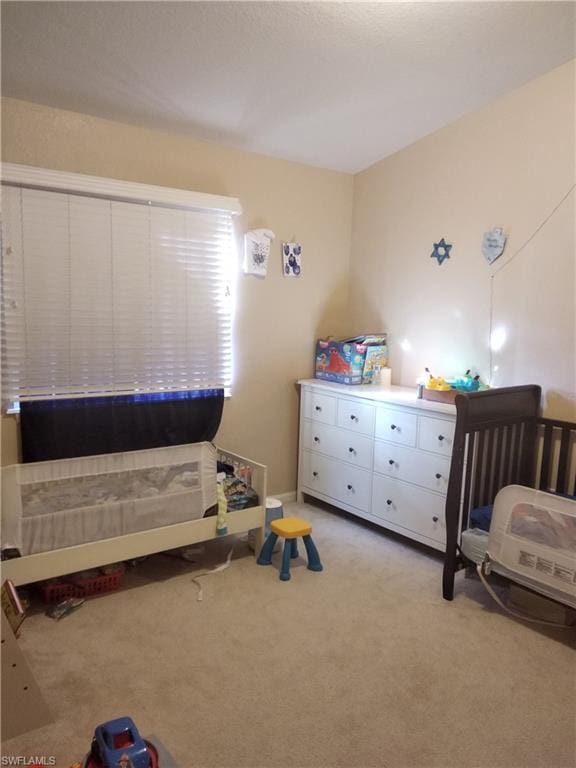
[393, 395]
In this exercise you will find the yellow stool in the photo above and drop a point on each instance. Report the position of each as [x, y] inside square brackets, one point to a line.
[289, 528]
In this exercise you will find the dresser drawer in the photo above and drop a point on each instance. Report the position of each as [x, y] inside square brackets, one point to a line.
[436, 435]
[320, 407]
[356, 416]
[339, 443]
[411, 508]
[396, 426]
[341, 482]
[412, 466]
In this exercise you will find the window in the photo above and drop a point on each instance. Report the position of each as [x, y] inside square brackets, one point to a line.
[111, 287]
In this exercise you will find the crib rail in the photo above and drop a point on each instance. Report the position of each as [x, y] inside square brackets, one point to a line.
[500, 440]
[493, 447]
[555, 468]
[494, 458]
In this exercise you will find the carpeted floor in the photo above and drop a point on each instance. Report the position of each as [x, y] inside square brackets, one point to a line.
[361, 666]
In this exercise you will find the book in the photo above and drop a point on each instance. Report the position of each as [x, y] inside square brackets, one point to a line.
[11, 605]
[375, 359]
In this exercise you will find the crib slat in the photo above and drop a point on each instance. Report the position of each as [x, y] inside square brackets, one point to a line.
[515, 454]
[546, 455]
[491, 463]
[527, 458]
[507, 434]
[498, 481]
[480, 480]
[468, 478]
[563, 468]
[487, 468]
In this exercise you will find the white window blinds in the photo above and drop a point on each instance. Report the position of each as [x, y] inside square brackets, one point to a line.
[106, 296]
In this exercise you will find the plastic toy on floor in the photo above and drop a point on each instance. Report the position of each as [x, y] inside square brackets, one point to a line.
[117, 744]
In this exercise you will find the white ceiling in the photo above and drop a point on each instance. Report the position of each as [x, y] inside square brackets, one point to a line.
[333, 84]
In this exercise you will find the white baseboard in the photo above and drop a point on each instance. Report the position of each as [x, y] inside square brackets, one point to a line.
[285, 498]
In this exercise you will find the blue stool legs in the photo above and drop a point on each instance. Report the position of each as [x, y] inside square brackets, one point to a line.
[314, 563]
[287, 552]
[265, 556]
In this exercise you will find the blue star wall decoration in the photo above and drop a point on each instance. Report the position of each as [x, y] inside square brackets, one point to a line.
[441, 251]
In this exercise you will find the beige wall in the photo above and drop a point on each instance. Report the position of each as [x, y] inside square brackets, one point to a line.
[507, 165]
[277, 318]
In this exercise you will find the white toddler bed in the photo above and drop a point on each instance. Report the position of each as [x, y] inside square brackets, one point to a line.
[73, 514]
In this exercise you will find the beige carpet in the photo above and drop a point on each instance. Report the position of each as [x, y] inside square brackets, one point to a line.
[362, 665]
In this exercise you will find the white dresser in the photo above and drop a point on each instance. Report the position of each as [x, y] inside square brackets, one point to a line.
[381, 454]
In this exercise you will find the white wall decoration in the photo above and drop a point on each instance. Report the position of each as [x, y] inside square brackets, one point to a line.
[291, 259]
[493, 244]
[441, 251]
[256, 251]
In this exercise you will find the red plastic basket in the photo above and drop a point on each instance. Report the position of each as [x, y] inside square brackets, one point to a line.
[57, 591]
[105, 582]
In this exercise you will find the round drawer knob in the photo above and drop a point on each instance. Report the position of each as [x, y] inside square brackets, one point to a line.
[316, 439]
[350, 488]
[318, 408]
[353, 418]
[393, 426]
[390, 461]
[435, 519]
[314, 474]
[440, 437]
[351, 450]
[438, 475]
[388, 501]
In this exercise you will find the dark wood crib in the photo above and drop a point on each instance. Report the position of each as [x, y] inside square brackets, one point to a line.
[500, 439]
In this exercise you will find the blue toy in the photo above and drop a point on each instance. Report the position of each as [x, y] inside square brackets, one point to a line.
[466, 383]
[117, 744]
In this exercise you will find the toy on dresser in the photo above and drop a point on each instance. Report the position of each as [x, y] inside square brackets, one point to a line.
[351, 361]
[439, 389]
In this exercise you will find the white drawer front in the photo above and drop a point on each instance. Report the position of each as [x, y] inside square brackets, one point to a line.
[397, 426]
[320, 407]
[338, 443]
[412, 465]
[356, 416]
[339, 481]
[410, 507]
[436, 435]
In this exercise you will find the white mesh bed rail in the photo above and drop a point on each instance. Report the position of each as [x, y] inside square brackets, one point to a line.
[533, 535]
[49, 505]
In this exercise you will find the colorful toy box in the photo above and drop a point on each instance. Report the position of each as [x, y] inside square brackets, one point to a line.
[350, 361]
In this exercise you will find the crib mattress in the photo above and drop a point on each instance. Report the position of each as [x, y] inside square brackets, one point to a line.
[55, 504]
